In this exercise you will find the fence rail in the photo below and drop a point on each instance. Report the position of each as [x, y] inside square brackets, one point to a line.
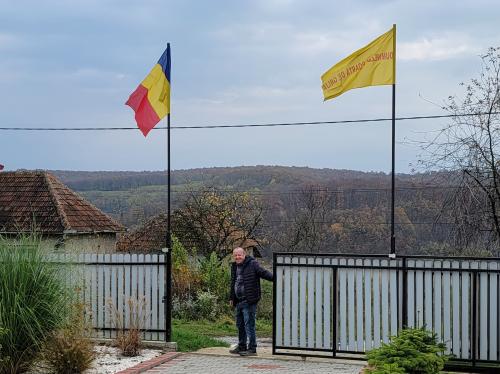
[331, 304]
[127, 285]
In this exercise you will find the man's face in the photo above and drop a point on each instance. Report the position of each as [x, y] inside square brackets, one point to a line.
[238, 255]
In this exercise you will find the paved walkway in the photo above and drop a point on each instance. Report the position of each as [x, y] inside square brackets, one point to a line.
[218, 360]
[215, 364]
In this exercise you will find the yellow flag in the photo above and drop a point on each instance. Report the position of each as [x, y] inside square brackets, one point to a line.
[372, 65]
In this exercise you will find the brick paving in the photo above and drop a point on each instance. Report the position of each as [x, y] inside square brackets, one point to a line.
[212, 364]
[151, 364]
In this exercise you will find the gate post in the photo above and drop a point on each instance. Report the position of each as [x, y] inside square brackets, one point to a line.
[334, 311]
[274, 303]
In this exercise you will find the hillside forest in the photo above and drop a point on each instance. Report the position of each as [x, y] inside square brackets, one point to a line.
[294, 208]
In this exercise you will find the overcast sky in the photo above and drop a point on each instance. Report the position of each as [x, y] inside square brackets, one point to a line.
[74, 64]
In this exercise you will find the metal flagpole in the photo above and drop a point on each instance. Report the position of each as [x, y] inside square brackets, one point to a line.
[393, 176]
[168, 285]
[168, 304]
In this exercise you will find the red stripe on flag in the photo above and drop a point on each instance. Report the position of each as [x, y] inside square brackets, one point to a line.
[145, 116]
[136, 97]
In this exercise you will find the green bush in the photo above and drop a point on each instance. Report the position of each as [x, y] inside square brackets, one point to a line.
[387, 369]
[207, 306]
[265, 306]
[180, 255]
[216, 276]
[216, 280]
[33, 302]
[412, 351]
[186, 281]
[184, 308]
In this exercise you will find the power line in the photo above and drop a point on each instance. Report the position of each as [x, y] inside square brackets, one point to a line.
[285, 192]
[245, 125]
[367, 223]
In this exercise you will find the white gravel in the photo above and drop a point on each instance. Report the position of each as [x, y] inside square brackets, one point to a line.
[110, 361]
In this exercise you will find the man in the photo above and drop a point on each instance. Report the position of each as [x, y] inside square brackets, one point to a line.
[245, 294]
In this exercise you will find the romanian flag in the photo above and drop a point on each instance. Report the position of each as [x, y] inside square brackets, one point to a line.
[151, 100]
[372, 65]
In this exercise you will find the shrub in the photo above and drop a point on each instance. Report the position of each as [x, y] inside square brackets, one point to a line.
[207, 306]
[265, 306]
[413, 351]
[216, 280]
[129, 332]
[185, 275]
[387, 369]
[184, 308]
[216, 276]
[70, 349]
[33, 302]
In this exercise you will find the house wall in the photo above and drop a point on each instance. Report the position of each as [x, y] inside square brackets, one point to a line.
[96, 243]
[81, 243]
[89, 243]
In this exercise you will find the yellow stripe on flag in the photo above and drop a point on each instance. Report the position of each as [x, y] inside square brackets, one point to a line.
[372, 65]
[158, 91]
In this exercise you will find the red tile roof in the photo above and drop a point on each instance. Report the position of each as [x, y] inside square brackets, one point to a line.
[151, 236]
[37, 198]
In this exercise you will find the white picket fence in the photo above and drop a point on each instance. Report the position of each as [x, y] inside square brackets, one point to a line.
[122, 283]
[326, 305]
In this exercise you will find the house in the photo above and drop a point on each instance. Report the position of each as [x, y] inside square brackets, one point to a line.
[38, 201]
[151, 237]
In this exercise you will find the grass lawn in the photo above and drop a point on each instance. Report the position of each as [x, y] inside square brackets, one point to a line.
[194, 335]
[189, 340]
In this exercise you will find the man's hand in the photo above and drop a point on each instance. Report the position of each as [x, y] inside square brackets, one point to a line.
[231, 303]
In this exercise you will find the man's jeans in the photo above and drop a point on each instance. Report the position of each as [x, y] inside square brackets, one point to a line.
[245, 321]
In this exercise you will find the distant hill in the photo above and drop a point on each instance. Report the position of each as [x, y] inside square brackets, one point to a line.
[247, 177]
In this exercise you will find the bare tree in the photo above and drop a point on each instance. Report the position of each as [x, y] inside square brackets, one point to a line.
[470, 146]
[306, 226]
[215, 221]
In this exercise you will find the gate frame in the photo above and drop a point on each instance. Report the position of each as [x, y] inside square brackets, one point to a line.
[103, 260]
[457, 364]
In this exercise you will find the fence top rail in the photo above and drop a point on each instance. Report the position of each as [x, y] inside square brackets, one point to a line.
[393, 268]
[106, 259]
[385, 256]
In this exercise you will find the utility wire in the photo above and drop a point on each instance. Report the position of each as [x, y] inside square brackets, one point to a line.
[285, 192]
[243, 126]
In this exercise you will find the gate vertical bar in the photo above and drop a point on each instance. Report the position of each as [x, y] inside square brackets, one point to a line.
[334, 311]
[474, 318]
[404, 298]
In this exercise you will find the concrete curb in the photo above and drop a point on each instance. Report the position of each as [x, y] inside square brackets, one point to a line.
[150, 364]
[170, 346]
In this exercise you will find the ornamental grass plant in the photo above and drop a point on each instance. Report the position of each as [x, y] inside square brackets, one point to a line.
[33, 302]
[129, 326]
[70, 349]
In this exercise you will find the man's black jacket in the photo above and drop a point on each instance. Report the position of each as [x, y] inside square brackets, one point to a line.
[251, 273]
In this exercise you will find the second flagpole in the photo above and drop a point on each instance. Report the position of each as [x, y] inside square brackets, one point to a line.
[393, 175]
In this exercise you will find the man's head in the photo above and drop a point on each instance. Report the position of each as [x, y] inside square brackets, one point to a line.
[239, 255]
